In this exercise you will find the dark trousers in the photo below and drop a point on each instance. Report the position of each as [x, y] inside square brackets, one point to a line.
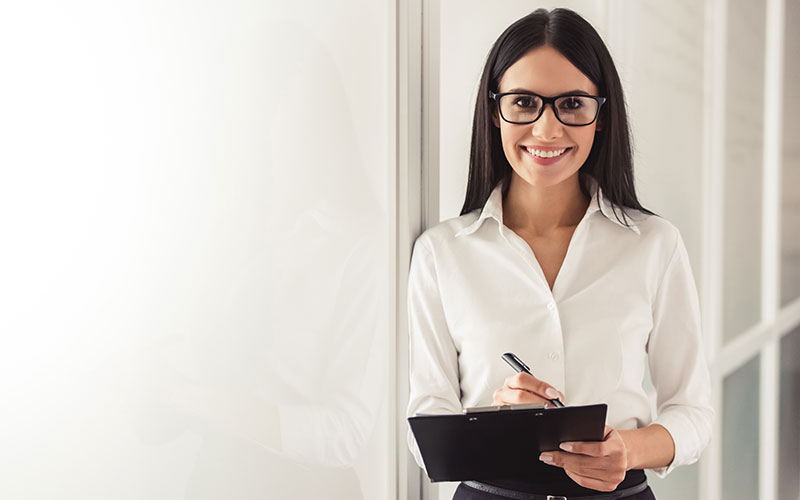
[464, 492]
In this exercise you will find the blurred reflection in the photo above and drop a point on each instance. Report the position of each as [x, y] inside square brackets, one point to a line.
[286, 376]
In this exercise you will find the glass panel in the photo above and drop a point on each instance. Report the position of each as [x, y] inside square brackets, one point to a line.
[198, 258]
[682, 483]
[744, 109]
[789, 426]
[790, 183]
[740, 421]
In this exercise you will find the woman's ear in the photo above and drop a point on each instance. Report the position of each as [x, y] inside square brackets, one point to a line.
[495, 118]
[599, 124]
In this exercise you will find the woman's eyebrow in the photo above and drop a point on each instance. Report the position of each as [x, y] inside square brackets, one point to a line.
[575, 91]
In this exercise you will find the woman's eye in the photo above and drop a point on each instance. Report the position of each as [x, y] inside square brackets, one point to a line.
[571, 103]
[525, 102]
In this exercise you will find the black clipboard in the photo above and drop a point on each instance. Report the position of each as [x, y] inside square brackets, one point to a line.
[501, 444]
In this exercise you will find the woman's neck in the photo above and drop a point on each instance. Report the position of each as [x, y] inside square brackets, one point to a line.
[541, 210]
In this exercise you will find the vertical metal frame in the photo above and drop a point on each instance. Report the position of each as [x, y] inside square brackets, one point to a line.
[431, 11]
[713, 171]
[770, 252]
[407, 196]
[415, 195]
[430, 145]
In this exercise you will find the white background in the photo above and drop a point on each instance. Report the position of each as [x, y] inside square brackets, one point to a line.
[194, 268]
[207, 208]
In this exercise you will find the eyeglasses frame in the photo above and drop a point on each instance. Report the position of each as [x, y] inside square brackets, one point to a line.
[545, 102]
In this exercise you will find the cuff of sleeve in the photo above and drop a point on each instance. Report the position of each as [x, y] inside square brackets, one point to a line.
[681, 432]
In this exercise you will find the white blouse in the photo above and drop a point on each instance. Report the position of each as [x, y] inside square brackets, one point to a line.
[623, 296]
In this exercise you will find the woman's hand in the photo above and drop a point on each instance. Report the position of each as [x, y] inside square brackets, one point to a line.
[524, 388]
[599, 465]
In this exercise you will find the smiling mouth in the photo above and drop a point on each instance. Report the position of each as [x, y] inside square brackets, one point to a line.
[546, 154]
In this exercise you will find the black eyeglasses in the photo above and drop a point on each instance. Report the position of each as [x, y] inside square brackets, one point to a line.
[522, 108]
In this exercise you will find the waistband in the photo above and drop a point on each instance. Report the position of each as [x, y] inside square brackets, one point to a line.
[555, 481]
[519, 495]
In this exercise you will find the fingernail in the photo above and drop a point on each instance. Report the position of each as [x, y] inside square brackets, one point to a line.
[544, 457]
[551, 393]
[565, 447]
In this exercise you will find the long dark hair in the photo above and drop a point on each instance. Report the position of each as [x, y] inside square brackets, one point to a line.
[610, 161]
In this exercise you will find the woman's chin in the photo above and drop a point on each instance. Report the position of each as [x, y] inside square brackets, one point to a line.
[547, 177]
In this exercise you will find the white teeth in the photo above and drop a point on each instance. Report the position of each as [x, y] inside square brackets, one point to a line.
[545, 154]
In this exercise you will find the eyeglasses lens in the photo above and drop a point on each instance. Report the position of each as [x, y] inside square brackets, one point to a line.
[572, 110]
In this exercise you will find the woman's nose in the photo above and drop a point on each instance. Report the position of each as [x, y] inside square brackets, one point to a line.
[547, 126]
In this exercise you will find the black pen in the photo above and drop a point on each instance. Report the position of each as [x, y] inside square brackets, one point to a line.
[519, 366]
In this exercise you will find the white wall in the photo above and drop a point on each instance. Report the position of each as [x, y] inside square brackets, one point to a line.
[194, 265]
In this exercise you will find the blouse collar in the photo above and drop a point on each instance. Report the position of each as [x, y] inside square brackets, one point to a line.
[493, 208]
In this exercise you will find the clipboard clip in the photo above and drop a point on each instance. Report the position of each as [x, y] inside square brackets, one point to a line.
[489, 409]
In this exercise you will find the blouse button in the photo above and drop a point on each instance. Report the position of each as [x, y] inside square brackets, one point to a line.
[554, 356]
[551, 305]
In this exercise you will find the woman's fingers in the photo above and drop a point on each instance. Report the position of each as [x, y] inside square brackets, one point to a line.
[508, 396]
[588, 462]
[590, 482]
[605, 468]
[528, 382]
[525, 388]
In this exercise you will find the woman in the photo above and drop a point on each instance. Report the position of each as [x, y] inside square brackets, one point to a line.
[553, 258]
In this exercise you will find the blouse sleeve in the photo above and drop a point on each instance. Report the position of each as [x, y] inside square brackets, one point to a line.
[433, 359]
[678, 366]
